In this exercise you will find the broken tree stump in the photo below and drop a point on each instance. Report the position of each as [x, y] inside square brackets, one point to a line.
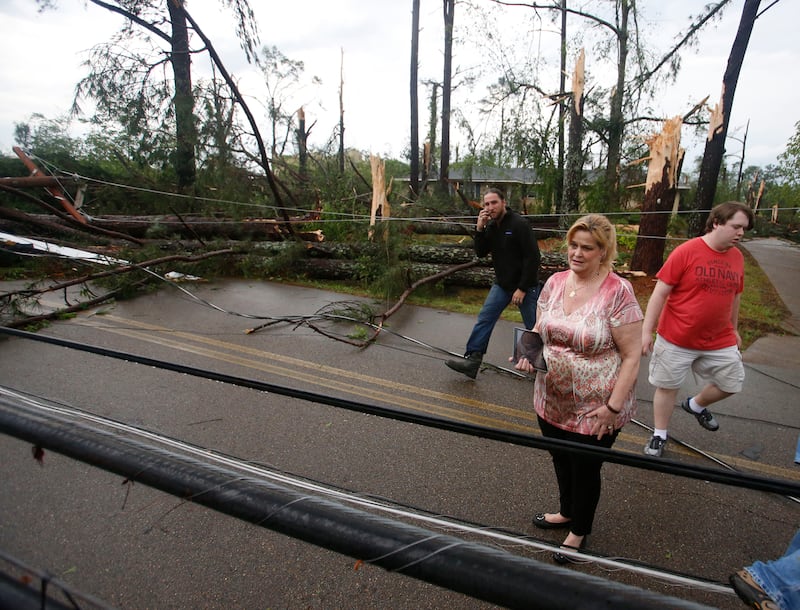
[666, 157]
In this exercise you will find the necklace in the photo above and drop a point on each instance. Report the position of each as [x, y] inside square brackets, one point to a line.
[576, 288]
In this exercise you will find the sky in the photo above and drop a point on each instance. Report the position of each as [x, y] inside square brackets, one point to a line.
[369, 42]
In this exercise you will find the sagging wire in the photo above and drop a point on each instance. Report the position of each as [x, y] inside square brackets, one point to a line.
[496, 434]
[300, 319]
[321, 314]
[53, 172]
[350, 217]
[702, 453]
[368, 322]
[495, 535]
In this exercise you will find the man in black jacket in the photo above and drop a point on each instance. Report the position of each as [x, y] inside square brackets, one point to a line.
[515, 258]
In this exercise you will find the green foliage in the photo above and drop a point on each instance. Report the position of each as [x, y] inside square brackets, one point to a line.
[157, 231]
[595, 196]
[255, 265]
[283, 78]
[678, 225]
[788, 170]
[761, 310]
[359, 333]
[626, 241]
[9, 273]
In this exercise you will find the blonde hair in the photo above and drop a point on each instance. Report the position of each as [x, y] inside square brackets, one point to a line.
[603, 232]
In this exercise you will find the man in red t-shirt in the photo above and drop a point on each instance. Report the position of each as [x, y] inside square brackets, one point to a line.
[696, 305]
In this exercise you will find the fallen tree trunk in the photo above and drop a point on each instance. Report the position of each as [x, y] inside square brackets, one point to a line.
[267, 229]
[17, 219]
[335, 269]
[448, 254]
[477, 277]
[62, 219]
[140, 227]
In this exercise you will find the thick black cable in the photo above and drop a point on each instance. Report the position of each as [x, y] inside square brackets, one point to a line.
[735, 479]
[318, 487]
[479, 571]
[14, 593]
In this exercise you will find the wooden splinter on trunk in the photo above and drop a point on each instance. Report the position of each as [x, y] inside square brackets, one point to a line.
[380, 204]
[666, 157]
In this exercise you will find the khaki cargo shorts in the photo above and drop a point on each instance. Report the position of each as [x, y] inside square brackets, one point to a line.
[670, 364]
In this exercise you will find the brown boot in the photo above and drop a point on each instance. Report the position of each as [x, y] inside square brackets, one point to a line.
[469, 365]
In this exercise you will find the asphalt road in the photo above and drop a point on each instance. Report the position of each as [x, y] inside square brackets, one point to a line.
[135, 547]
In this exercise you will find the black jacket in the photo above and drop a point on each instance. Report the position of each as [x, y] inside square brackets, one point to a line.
[515, 253]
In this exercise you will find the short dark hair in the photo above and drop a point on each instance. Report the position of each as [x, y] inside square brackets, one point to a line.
[496, 191]
[723, 212]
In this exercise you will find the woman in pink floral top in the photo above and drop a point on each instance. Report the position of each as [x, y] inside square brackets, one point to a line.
[590, 323]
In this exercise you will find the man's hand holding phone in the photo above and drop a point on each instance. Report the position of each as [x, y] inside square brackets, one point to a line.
[483, 219]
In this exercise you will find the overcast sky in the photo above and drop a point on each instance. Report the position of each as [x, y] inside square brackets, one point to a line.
[41, 57]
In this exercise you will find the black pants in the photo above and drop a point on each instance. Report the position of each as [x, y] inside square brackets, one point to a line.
[578, 476]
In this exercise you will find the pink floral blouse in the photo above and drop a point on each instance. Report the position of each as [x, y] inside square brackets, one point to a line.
[582, 359]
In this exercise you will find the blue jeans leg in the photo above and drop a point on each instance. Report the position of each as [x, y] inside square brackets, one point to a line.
[528, 307]
[781, 578]
[496, 301]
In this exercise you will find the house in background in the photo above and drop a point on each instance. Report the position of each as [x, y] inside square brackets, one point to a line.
[525, 189]
[517, 182]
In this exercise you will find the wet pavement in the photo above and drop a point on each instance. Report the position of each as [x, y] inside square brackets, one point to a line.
[136, 548]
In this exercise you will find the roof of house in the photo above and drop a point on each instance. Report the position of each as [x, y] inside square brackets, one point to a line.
[481, 174]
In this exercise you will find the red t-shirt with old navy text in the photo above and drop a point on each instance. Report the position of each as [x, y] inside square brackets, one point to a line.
[697, 314]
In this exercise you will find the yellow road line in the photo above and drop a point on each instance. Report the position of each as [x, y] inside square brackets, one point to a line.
[392, 399]
[389, 394]
[335, 372]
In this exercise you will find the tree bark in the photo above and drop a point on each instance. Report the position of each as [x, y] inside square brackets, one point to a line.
[430, 146]
[341, 113]
[616, 117]
[562, 110]
[39, 221]
[185, 129]
[718, 125]
[573, 172]
[136, 228]
[414, 95]
[302, 143]
[666, 156]
[447, 85]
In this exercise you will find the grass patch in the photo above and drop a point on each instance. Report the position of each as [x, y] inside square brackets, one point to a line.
[761, 312]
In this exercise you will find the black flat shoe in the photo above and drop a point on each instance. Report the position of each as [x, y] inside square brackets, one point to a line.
[562, 559]
[542, 523]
